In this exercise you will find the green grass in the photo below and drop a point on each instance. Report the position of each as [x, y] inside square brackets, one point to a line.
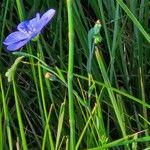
[70, 89]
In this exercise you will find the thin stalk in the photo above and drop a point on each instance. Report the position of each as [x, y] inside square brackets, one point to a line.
[51, 144]
[21, 13]
[21, 127]
[1, 130]
[70, 73]
[110, 92]
[142, 66]
[3, 24]
[6, 116]
[85, 128]
[47, 128]
[104, 25]
[89, 67]
[60, 36]
[139, 42]
[67, 144]
[133, 18]
[114, 41]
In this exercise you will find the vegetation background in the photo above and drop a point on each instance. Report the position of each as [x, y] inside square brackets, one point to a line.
[108, 102]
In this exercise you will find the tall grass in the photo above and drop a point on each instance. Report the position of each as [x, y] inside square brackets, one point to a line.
[70, 73]
[72, 90]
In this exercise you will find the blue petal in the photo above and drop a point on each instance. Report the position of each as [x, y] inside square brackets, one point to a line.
[47, 16]
[23, 26]
[15, 37]
[34, 21]
[17, 45]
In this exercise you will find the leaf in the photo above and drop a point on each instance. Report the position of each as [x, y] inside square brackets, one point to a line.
[10, 72]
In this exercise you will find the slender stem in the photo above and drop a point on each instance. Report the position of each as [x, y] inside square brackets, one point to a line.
[21, 11]
[3, 24]
[21, 127]
[133, 18]
[51, 144]
[6, 115]
[70, 73]
[110, 92]
[1, 130]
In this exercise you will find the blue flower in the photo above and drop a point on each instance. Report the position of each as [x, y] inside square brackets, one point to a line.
[27, 30]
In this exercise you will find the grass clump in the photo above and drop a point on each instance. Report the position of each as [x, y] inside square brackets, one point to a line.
[84, 84]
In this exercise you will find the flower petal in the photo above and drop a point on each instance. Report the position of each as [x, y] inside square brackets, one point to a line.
[17, 45]
[47, 16]
[14, 37]
[34, 21]
[23, 26]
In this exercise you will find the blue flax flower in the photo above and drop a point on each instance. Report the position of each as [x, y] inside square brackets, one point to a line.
[27, 30]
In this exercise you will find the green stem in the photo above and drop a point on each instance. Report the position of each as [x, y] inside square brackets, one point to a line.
[51, 144]
[24, 144]
[21, 11]
[1, 130]
[110, 92]
[70, 73]
[133, 18]
[3, 24]
[6, 116]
